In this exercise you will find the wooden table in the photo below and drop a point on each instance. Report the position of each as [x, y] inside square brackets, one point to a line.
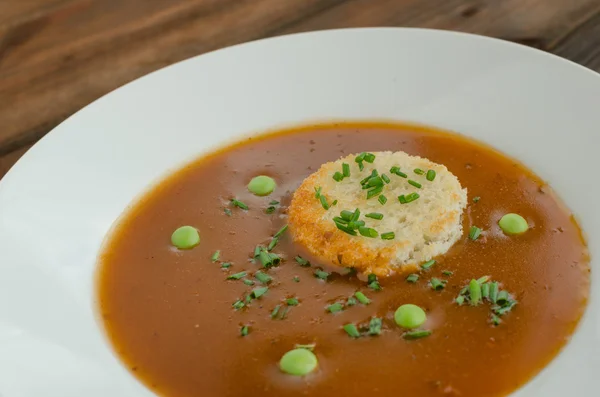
[56, 56]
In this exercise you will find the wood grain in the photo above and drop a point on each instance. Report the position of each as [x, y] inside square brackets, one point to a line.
[56, 56]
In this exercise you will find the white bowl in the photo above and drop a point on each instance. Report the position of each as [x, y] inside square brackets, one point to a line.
[59, 201]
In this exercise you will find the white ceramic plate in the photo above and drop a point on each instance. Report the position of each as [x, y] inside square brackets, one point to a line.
[59, 201]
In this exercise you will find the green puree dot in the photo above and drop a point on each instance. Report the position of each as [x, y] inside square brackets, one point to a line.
[262, 185]
[298, 362]
[513, 224]
[410, 316]
[185, 237]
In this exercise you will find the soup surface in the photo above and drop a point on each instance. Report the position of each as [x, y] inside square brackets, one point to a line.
[169, 313]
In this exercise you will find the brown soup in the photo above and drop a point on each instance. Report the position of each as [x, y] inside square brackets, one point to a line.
[169, 312]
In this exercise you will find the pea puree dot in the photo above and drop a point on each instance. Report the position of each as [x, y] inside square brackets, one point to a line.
[513, 224]
[410, 316]
[185, 237]
[298, 362]
[262, 185]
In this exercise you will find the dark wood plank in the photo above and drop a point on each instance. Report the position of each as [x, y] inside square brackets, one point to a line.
[582, 44]
[9, 159]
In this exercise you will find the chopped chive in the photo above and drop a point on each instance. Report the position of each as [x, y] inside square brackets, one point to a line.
[412, 278]
[427, 265]
[345, 229]
[505, 309]
[334, 202]
[346, 215]
[475, 292]
[296, 279]
[248, 298]
[227, 211]
[215, 256]
[385, 178]
[382, 199]
[270, 210]
[338, 176]
[244, 330]
[321, 274]
[310, 346]
[292, 301]
[460, 300]
[447, 273]
[345, 170]
[237, 276]
[361, 166]
[375, 326]
[374, 192]
[494, 292]
[257, 250]
[275, 259]
[338, 219]
[351, 301]
[262, 277]
[258, 292]
[419, 171]
[430, 175]
[484, 279]
[412, 197]
[237, 305]
[281, 231]
[351, 330]
[323, 201]
[502, 298]
[275, 311]
[274, 202]
[495, 319]
[360, 158]
[284, 313]
[375, 286]
[416, 334]
[318, 192]
[335, 308]
[374, 215]
[402, 199]
[355, 215]
[375, 181]
[388, 236]
[436, 284]
[476, 199]
[464, 290]
[402, 174]
[362, 298]
[369, 157]
[265, 258]
[301, 261]
[248, 282]
[371, 277]
[396, 171]
[485, 291]
[474, 233]
[225, 265]
[272, 244]
[415, 184]
[368, 232]
[239, 204]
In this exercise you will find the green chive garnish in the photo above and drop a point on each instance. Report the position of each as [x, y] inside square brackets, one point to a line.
[334, 202]
[474, 233]
[412, 278]
[334, 308]
[412, 197]
[301, 261]
[436, 284]
[345, 170]
[321, 274]
[430, 175]
[323, 201]
[402, 199]
[362, 298]
[346, 215]
[368, 232]
[447, 273]
[502, 298]
[427, 265]
[275, 311]
[262, 277]
[494, 292]
[460, 300]
[257, 250]
[415, 184]
[248, 282]
[375, 181]
[225, 265]
[369, 157]
[475, 292]
[374, 215]
[338, 176]
[258, 292]
[281, 231]
[476, 199]
[382, 199]
[237, 305]
[355, 215]
[385, 178]
[272, 244]
[373, 283]
[318, 192]
[237, 276]
[388, 236]
[361, 166]
[419, 171]
[375, 326]
[485, 291]
[244, 330]
[292, 302]
[215, 256]
[227, 211]
[270, 210]
[284, 313]
[495, 319]
[416, 334]
[345, 228]
[483, 279]
[296, 279]
[351, 301]
[360, 158]
[239, 204]
[351, 330]
[374, 192]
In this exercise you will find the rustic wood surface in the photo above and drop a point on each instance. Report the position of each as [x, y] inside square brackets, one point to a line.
[56, 56]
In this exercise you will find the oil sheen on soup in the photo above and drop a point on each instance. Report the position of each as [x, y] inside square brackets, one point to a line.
[215, 319]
